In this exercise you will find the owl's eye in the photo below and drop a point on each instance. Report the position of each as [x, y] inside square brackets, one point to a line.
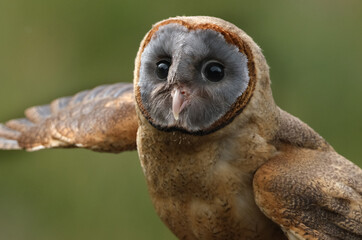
[213, 71]
[162, 69]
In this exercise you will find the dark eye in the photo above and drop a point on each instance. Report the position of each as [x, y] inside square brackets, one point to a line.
[213, 71]
[162, 69]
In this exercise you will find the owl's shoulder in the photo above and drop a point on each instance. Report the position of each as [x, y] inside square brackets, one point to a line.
[292, 131]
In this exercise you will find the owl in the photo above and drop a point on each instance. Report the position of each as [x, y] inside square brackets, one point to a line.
[221, 159]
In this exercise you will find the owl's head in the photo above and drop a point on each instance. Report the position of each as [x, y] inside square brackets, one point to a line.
[196, 74]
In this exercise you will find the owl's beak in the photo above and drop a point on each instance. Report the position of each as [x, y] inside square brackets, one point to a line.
[178, 102]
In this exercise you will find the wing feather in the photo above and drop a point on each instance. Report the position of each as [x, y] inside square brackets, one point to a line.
[101, 119]
[8, 133]
[311, 194]
[20, 124]
[38, 114]
[59, 104]
[9, 144]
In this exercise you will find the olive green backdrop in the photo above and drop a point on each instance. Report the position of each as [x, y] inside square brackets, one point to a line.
[50, 49]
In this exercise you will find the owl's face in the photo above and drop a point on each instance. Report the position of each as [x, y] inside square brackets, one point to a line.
[189, 79]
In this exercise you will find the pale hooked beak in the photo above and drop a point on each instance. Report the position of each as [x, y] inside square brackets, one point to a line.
[178, 102]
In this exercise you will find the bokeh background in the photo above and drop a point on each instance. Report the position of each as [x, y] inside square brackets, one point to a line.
[55, 48]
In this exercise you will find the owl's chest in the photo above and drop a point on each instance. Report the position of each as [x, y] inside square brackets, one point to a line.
[198, 195]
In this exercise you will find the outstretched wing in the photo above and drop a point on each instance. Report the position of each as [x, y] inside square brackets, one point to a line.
[311, 194]
[101, 119]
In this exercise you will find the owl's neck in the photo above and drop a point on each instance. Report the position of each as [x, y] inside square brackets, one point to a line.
[174, 155]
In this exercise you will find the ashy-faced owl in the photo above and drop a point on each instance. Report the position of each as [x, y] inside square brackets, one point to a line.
[221, 159]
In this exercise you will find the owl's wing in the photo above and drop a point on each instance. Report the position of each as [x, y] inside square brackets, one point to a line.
[311, 194]
[101, 119]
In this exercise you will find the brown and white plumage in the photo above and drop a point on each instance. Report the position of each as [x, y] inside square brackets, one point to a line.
[101, 119]
[221, 160]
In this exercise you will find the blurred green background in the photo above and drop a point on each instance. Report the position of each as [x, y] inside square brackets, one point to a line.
[55, 48]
